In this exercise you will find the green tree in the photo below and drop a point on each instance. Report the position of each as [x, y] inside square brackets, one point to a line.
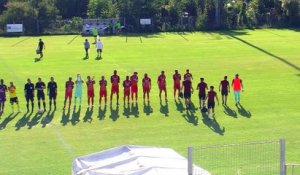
[102, 9]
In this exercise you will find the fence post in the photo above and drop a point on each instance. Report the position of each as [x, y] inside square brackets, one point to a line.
[190, 161]
[282, 157]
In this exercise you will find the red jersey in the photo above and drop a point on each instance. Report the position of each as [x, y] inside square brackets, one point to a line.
[146, 82]
[176, 78]
[115, 80]
[224, 85]
[202, 88]
[134, 79]
[103, 84]
[236, 84]
[126, 84]
[69, 86]
[161, 79]
[187, 84]
[187, 75]
[90, 85]
[211, 96]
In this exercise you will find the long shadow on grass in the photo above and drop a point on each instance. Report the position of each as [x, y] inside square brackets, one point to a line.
[4, 123]
[35, 120]
[213, 124]
[147, 108]
[179, 106]
[114, 113]
[230, 112]
[47, 119]
[164, 108]
[190, 117]
[101, 113]
[75, 115]
[23, 121]
[243, 112]
[135, 110]
[126, 110]
[88, 115]
[65, 118]
[231, 34]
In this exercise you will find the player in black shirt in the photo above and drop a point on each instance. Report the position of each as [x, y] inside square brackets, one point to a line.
[41, 46]
[29, 94]
[52, 92]
[40, 86]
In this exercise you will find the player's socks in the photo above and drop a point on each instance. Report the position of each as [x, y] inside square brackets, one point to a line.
[27, 106]
[12, 108]
[39, 105]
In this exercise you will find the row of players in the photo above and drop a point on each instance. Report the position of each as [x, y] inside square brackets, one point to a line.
[130, 84]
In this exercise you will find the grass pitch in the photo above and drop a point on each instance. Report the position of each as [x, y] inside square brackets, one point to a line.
[267, 61]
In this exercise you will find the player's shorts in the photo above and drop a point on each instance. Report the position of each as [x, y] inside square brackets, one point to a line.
[41, 96]
[99, 50]
[177, 86]
[103, 93]
[29, 97]
[202, 96]
[146, 89]
[187, 95]
[14, 100]
[68, 94]
[134, 88]
[90, 94]
[115, 89]
[126, 91]
[210, 104]
[52, 96]
[2, 98]
[162, 87]
[224, 92]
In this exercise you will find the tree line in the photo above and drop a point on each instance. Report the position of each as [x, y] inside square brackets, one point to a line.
[166, 15]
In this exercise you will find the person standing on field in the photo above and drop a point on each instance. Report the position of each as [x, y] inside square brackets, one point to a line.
[3, 90]
[29, 94]
[13, 96]
[188, 90]
[52, 92]
[99, 47]
[78, 89]
[86, 47]
[211, 95]
[41, 47]
[224, 88]
[237, 87]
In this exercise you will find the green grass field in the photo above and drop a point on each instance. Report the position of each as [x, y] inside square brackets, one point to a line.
[267, 60]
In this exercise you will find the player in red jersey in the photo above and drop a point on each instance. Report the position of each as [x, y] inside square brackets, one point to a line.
[224, 88]
[146, 86]
[126, 85]
[161, 81]
[134, 85]
[90, 90]
[188, 74]
[177, 79]
[115, 80]
[202, 87]
[68, 92]
[103, 91]
[211, 95]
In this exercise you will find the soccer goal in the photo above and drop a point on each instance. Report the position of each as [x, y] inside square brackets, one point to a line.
[255, 158]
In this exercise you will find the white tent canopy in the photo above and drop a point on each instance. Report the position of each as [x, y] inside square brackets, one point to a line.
[133, 160]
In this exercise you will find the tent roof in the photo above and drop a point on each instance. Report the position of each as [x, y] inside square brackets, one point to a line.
[133, 160]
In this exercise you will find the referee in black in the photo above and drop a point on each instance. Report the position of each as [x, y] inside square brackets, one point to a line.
[52, 92]
[29, 94]
[40, 86]
[41, 47]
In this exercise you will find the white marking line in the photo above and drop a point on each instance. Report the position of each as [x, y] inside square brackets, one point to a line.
[67, 147]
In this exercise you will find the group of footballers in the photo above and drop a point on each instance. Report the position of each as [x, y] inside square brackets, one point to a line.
[182, 89]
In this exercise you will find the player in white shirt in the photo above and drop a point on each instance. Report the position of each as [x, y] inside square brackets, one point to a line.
[99, 46]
